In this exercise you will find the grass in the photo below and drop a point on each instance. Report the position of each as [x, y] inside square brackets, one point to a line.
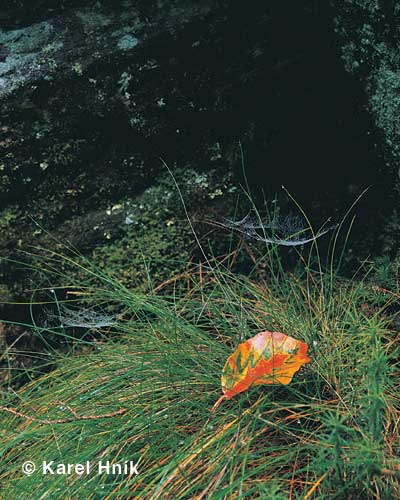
[142, 391]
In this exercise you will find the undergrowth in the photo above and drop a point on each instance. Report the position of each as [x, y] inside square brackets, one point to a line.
[142, 388]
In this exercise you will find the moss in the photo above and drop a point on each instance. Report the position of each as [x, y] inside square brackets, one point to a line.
[369, 51]
[92, 19]
[137, 236]
[29, 39]
[148, 259]
[385, 103]
[77, 68]
[5, 293]
[157, 240]
[127, 42]
[24, 48]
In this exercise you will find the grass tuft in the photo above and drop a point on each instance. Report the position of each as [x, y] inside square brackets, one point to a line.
[142, 389]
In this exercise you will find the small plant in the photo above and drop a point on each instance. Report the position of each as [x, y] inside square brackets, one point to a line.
[386, 272]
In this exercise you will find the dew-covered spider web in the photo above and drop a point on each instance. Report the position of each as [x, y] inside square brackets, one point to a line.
[82, 318]
[285, 230]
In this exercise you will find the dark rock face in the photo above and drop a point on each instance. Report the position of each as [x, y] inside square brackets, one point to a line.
[71, 119]
[92, 94]
[369, 34]
[86, 111]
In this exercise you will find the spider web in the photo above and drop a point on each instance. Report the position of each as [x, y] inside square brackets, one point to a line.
[287, 230]
[82, 318]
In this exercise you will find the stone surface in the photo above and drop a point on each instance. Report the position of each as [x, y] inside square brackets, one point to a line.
[369, 35]
[90, 100]
[93, 94]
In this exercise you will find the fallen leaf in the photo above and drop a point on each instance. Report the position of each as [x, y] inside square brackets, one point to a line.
[266, 358]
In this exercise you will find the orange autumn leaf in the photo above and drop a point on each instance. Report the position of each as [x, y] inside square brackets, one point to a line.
[266, 358]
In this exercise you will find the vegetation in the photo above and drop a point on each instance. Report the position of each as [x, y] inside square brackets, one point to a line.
[142, 389]
[119, 304]
[117, 235]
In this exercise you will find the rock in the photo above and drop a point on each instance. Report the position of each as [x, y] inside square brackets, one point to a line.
[85, 116]
[93, 94]
[369, 32]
